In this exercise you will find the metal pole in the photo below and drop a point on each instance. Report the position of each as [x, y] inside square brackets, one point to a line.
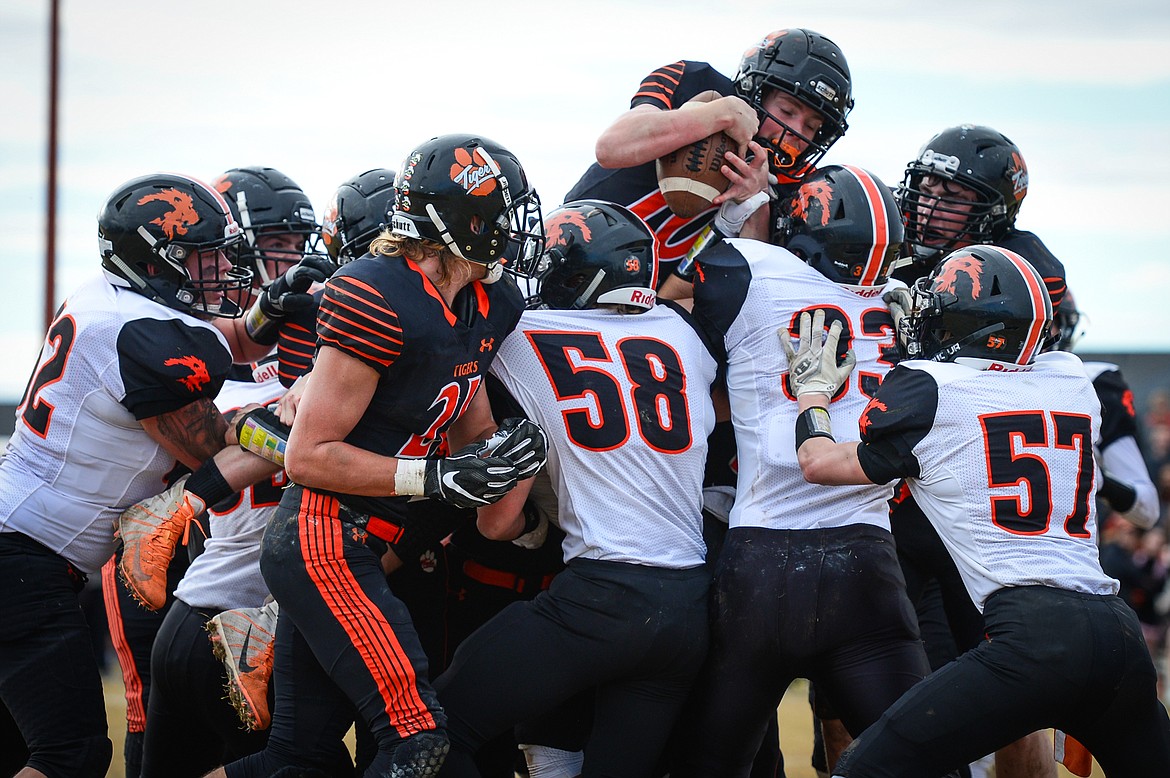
[51, 209]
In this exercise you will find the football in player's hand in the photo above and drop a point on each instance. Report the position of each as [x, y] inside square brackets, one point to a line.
[691, 177]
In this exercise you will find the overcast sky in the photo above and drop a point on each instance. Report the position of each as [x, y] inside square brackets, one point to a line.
[323, 91]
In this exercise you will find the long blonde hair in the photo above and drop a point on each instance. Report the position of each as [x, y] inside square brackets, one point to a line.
[387, 244]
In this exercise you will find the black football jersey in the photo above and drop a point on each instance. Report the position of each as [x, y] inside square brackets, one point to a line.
[431, 358]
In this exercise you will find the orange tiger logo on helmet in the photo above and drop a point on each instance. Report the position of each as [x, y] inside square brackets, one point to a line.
[962, 264]
[181, 216]
[819, 192]
[475, 173]
[556, 228]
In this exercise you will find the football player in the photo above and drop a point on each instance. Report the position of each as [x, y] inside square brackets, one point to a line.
[622, 386]
[819, 562]
[995, 441]
[964, 188]
[393, 411]
[124, 387]
[787, 105]
[277, 223]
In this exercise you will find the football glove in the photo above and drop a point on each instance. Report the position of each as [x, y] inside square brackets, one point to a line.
[813, 367]
[464, 479]
[520, 441]
[289, 293]
[900, 301]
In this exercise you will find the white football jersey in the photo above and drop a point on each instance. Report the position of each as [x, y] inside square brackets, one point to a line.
[747, 291]
[625, 401]
[79, 456]
[1011, 492]
[227, 574]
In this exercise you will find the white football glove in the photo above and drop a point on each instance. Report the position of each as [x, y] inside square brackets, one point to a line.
[813, 367]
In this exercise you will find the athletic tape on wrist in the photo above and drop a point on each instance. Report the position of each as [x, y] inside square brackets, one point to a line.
[813, 423]
[410, 477]
[260, 327]
[262, 433]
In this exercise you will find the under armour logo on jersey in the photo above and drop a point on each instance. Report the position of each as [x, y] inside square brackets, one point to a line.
[486, 344]
[199, 376]
[359, 535]
[176, 221]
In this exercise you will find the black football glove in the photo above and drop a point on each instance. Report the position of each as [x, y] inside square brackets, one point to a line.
[522, 442]
[289, 293]
[467, 480]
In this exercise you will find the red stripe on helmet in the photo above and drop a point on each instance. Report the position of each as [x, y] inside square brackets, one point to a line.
[1041, 307]
[880, 232]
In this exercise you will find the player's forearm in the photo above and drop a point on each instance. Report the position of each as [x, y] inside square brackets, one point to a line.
[644, 134]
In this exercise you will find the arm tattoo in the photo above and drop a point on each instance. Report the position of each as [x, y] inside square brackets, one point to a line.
[197, 428]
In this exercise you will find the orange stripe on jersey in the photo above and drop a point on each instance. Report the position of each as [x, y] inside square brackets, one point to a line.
[135, 707]
[880, 236]
[381, 316]
[432, 291]
[344, 282]
[363, 622]
[481, 299]
[1039, 297]
[335, 320]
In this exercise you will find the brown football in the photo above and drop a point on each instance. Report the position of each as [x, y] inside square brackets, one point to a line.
[690, 177]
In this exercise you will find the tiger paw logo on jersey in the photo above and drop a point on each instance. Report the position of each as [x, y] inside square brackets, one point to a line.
[199, 376]
[819, 192]
[475, 171]
[962, 264]
[428, 561]
[181, 216]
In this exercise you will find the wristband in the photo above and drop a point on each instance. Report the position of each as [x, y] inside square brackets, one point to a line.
[685, 269]
[531, 518]
[410, 477]
[813, 423]
[261, 327]
[208, 484]
[262, 433]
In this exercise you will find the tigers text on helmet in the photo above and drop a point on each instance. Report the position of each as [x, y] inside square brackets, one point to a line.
[599, 253]
[844, 222]
[151, 233]
[267, 203]
[810, 67]
[981, 302]
[359, 210]
[979, 158]
[470, 195]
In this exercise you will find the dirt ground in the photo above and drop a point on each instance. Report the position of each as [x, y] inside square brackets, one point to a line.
[795, 730]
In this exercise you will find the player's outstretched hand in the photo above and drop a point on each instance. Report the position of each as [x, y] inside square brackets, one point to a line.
[813, 366]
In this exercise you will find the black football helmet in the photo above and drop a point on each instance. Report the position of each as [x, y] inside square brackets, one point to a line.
[981, 301]
[982, 160]
[359, 210]
[845, 223]
[598, 253]
[266, 202]
[470, 195]
[813, 69]
[151, 226]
